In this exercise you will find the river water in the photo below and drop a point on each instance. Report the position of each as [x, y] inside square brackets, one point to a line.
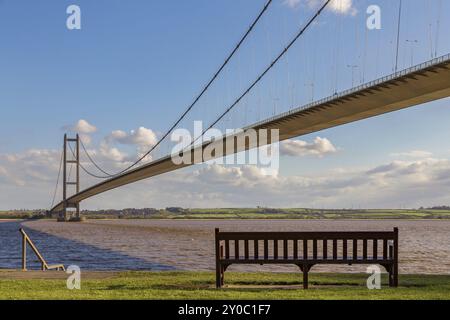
[189, 244]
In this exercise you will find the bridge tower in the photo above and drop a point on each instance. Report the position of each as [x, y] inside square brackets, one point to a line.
[71, 158]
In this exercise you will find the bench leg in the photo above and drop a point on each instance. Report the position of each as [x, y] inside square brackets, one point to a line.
[218, 276]
[391, 277]
[305, 277]
[389, 268]
[395, 275]
[222, 275]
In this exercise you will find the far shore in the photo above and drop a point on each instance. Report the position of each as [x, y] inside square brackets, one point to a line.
[259, 213]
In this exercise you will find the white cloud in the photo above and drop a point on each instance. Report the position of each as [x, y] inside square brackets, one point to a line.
[410, 183]
[32, 175]
[8, 178]
[27, 179]
[86, 139]
[343, 7]
[111, 153]
[336, 6]
[319, 147]
[82, 127]
[292, 3]
[108, 155]
[140, 137]
[31, 167]
[413, 154]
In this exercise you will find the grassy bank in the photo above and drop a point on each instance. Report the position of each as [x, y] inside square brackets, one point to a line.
[330, 214]
[199, 285]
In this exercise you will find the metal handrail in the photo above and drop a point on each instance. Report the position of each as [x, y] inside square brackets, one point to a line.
[44, 266]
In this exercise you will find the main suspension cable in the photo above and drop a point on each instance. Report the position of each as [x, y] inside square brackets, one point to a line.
[57, 180]
[261, 76]
[83, 167]
[207, 86]
[91, 159]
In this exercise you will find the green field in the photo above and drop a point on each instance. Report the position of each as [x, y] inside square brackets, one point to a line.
[200, 285]
[332, 214]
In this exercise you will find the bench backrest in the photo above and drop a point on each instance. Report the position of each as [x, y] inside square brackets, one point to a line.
[306, 246]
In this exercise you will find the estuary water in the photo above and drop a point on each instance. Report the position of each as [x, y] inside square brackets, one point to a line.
[189, 244]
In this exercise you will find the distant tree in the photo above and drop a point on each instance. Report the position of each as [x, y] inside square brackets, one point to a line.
[175, 210]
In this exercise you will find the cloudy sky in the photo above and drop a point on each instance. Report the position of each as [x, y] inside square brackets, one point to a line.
[121, 81]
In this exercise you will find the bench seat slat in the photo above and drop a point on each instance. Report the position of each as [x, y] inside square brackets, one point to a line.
[266, 249]
[315, 249]
[375, 247]
[285, 249]
[334, 249]
[304, 235]
[305, 249]
[364, 248]
[295, 249]
[246, 250]
[344, 249]
[275, 249]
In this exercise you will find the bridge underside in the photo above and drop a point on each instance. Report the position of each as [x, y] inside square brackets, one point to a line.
[421, 84]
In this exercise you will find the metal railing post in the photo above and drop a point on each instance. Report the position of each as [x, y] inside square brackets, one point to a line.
[24, 252]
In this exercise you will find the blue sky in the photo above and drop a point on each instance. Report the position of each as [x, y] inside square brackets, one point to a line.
[140, 63]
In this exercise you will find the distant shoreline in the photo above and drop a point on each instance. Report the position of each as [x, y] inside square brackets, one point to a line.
[234, 219]
[246, 214]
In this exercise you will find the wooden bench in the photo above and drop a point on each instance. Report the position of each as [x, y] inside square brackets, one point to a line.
[306, 249]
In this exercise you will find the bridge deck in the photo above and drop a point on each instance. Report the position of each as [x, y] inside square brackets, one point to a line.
[421, 84]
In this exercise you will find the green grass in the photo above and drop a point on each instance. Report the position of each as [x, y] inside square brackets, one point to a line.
[199, 285]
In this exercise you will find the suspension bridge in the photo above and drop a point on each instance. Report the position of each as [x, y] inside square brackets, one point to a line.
[402, 88]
